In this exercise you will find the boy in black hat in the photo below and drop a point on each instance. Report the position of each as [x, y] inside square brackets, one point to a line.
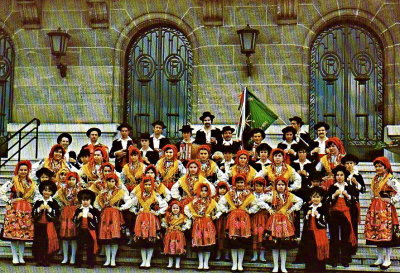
[263, 151]
[318, 146]
[157, 139]
[84, 156]
[227, 132]
[289, 144]
[119, 148]
[302, 137]
[93, 134]
[149, 156]
[65, 140]
[86, 219]
[44, 174]
[228, 161]
[45, 214]
[186, 147]
[208, 134]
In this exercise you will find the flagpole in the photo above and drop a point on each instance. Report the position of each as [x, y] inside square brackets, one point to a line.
[290, 125]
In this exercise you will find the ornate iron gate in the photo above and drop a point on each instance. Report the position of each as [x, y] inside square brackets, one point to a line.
[7, 56]
[347, 86]
[159, 80]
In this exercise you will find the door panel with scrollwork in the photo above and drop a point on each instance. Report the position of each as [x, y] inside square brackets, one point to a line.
[7, 56]
[158, 80]
[346, 88]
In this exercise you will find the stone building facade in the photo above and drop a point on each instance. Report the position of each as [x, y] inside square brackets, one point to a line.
[102, 31]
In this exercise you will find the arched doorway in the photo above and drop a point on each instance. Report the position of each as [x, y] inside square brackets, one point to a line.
[346, 88]
[7, 56]
[158, 81]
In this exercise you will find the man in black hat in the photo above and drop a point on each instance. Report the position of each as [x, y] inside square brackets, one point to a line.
[318, 147]
[93, 134]
[119, 148]
[149, 156]
[257, 137]
[289, 145]
[302, 137]
[65, 140]
[157, 139]
[208, 134]
[186, 147]
[227, 133]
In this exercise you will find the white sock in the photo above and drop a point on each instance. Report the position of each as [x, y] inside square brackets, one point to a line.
[283, 253]
[388, 252]
[21, 250]
[74, 246]
[65, 251]
[178, 262]
[143, 254]
[149, 255]
[200, 256]
[275, 258]
[234, 254]
[240, 259]
[170, 262]
[107, 250]
[262, 256]
[206, 258]
[255, 256]
[114, 249]
[14, 246]
[381, 253]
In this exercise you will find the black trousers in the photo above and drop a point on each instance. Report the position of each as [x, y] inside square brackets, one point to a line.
[84, 239]
[339, 246]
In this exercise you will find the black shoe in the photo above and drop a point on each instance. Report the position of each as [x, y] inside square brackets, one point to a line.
[345, 264]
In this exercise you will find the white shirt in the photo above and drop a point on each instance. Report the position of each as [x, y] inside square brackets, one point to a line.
[302, 164]
[85, 211]
[321, 145]
[145, 151]
[156, 141]
[227, 143]
[341, 188]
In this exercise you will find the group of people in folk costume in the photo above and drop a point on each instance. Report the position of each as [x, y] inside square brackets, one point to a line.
[210, 194]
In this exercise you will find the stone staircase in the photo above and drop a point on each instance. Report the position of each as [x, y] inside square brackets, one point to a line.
[361, 261]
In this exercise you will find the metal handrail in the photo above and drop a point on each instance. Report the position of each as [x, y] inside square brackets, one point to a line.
[20, 138]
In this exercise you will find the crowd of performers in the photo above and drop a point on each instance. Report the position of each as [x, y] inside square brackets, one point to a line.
[207, 194]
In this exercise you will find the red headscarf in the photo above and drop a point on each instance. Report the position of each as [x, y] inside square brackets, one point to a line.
[23, 162]
[276, 198]
[200, 186]
[72, 174]
[204, 147]
[136, 150]
[173, 148]
[385, 162]
[151, 166]
[286, 159]
[107, 164]
[145, 179]
[259, 180]
[175, 202]
[338, 143]
[112, 176]
[222, 184]
[197, 164]
[242, 176]
[242, 152]
[54, 148]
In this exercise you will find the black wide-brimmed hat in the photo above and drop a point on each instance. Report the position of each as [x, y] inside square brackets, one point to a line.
[144, 136]
[207, 114]
[60, 137]
[350, 157]
[228, 128]
[124, 125]
[263, 147]
[93, 129]
[45, 171]
[159, 122]
[288, 129]
[89, 193]
[52, 186]
[297, 119]
[321, 124]
[258, 130]
[186, 129]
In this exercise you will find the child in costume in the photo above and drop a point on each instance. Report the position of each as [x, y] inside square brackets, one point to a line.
[169, 168]
[220, 223]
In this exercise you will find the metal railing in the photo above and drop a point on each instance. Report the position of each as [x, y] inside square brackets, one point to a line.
[20, 136]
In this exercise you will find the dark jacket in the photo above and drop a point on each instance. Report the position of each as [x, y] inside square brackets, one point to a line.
[350, 190]
[152, 156]
[51, 216]
[92, 222]
[164, 141]
[201, 136]
[120, 162]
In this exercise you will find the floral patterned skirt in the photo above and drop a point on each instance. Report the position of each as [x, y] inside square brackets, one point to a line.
[174, 243]
[68, 228]
[18, 222]
[280, 231]
[111, 221]
[203, 232]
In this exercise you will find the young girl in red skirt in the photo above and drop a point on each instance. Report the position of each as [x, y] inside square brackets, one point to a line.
[67, 198]
[259, 219]
[220, 223]
[18, 193]
[100, 183]
[169, 168]
[203, 210]
[175, 222]
[314, 245]
[280, 231]
[239, 203]
[110, 202]
[242, 166]
[148, 205]
[133, 171]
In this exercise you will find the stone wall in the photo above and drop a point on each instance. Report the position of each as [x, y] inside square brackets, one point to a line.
[93, 90]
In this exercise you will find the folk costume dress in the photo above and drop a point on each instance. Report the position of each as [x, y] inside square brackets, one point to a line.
[132, 172]
[201, 210]
[110, 203]
[259, 221]
[248, 171]
[169, 171]
[239, 204]
[382, 220]
[280, 230]
[91, 172]
[174, 239]
[147, 206]
[314, 244]
[220, 223]
[19, 195]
